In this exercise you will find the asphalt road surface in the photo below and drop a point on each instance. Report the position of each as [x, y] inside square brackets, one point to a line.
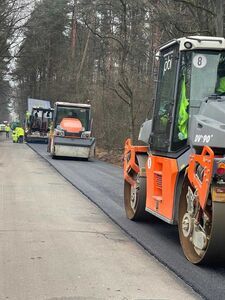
[102, 183]
[55, 244]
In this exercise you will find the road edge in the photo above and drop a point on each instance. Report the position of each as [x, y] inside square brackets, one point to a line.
[163, 263]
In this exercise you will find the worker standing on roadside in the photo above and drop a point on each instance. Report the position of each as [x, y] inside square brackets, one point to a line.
[7, 130]
[19, 134]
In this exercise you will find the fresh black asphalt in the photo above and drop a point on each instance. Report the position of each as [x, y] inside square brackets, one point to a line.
[102, 183]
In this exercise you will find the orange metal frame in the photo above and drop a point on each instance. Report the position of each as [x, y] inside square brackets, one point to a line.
[206, 160]
[130, 160]
[161, 173]
[161, 178]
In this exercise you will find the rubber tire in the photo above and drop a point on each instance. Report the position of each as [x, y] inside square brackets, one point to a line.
[187, 246]
[140, 212]
[214, 253]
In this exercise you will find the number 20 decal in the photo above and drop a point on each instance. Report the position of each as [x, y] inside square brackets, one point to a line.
[199, 138]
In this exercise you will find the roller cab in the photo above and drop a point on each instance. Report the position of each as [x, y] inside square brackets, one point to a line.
[71, 132]
[179, 173]
[37, 124]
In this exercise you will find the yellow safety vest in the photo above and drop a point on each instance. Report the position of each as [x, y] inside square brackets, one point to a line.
[221, 87]
[183, 114]
[19, 131]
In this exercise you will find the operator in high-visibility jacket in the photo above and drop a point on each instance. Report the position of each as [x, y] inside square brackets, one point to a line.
[183, 114]
[221, 86]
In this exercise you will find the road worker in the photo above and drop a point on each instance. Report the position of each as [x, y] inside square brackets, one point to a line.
[7, 130]
[14, 136]
[18, 135]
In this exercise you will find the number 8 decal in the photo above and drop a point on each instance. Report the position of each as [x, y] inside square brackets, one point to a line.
[199, 61]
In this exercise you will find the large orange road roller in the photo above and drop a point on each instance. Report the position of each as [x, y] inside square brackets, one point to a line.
[178, 175]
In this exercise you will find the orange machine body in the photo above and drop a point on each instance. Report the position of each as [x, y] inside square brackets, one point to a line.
[72, 125]
[130, 164]
[206, 161]
[161, 179]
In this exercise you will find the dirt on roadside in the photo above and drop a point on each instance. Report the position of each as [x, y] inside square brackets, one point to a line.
[114, 156]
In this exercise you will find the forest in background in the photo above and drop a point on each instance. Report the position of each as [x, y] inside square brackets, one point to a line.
[100, 50]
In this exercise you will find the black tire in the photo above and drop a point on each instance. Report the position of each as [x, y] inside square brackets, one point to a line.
[51, 149]
[135, 209]
[214, 251]
[135, 197]
[186, 244]
[49, 146]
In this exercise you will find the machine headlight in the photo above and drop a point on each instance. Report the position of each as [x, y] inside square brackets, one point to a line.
[59, 132]
[220, 169]
[35, 133]
[188, 45]
[86, 134]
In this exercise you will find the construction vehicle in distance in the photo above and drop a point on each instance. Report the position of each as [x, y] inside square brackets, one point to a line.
[71, 132]
[2, 127]
[38, 121]
[178, 175]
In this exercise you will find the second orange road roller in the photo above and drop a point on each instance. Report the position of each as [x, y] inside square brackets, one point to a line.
[71, 131]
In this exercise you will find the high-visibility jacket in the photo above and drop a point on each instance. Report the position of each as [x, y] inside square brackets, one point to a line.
[19, 131]
[221, 87]
[7, 128]
[183, 114]
[14, 136]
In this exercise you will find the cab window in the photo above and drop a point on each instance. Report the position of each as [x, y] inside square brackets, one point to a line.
[165, 99]
[181, 120]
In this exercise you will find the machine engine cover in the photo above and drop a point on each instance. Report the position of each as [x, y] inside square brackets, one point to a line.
[208, 126]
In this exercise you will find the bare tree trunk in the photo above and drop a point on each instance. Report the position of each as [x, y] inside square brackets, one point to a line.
[73, 32]
[48, 73]
[83, 56]
[219, 17]
[131, 120]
